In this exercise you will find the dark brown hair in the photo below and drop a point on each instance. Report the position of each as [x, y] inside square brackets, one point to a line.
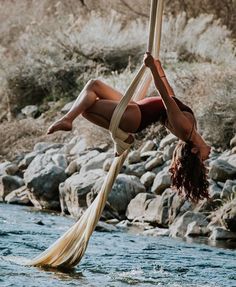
[188, 173]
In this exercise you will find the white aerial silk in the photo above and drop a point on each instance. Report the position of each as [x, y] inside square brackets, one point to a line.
[68, 250]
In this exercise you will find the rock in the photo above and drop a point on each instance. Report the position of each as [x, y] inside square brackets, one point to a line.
[154, 162]
[42, 177]
[138, 205]
[67, 107]
[107, 164]
[161, 181]
[60, 160]
[232, 160]
[96, 162]
[9, 183]
[148, 146]
[179, 227]
[152, 211]
[228, 215]
[156, 232]
[31, 111]
[168, 151]
[233, 142]
[136, 169]
[221, 170]
[24, 163]
[147, 179]
[125, 188]
[19, 196]
[8, 168]
[42, 147]
[134, 157]
[227, 191]
[71, 168]
[105, 227]
[149, 154]
[219, 233]
[73, 191]
[124, 224]
[214, 191]
[80, 146]
[168, 140]
[195, 229]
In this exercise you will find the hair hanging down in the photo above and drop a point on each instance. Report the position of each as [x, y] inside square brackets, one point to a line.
[188, 173]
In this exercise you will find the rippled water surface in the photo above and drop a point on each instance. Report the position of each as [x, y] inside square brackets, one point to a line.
[112, 259]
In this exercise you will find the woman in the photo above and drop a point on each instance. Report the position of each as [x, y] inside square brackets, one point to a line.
[97, 102]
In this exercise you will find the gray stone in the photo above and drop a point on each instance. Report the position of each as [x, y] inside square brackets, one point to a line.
[134, 157]
[107, 164]
[125, 188]
[196, 229]
[150, 154]
[30, 111]
[161, 181]
[227, 191]
[8, 168]
[9, 183]
[179, 227]
[71, 168]
[221, 170]
[154, 162]
[96, 162]
[156, 232]
[18, 196]
[73, 192]
[214, 191]
[80, 146]
[219, 233]
[147, 179]
[138, 205]
[105, 227]
[136, 169]
[168, 140]
[42, 177]
[60, 160]
[228, 215]
[168, 152]
[67, 107]
[148, 145]
[44, 146]
[24, 163]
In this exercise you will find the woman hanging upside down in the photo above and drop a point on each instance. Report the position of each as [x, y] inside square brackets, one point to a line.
[97, 101]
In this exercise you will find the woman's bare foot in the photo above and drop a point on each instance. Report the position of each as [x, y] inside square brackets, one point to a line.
[60, 125]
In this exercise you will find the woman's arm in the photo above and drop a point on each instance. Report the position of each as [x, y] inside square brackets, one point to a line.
[176, 117]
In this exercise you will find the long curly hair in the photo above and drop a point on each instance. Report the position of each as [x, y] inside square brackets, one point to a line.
[188, 173]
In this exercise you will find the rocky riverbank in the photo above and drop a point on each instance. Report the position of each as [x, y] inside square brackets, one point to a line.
[68, 176]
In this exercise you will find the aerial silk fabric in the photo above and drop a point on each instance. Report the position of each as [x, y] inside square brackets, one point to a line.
[68, 250]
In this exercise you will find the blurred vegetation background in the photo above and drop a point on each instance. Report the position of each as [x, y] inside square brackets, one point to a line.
[49, 49]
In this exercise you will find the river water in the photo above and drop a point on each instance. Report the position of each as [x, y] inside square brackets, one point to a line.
[113, 259]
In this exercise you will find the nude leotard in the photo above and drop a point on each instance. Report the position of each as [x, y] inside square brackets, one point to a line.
[153, 110]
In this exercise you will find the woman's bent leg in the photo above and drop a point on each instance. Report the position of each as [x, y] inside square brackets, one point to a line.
[92, 91]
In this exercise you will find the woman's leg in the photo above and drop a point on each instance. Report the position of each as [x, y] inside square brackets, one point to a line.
[93, 91]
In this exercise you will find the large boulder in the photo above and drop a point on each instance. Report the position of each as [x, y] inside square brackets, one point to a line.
[180, 226]
[138, 205]
[161, 181]
[42, 178]
[73, 192]
[125, 188]
[221, 170]
[168, 140]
